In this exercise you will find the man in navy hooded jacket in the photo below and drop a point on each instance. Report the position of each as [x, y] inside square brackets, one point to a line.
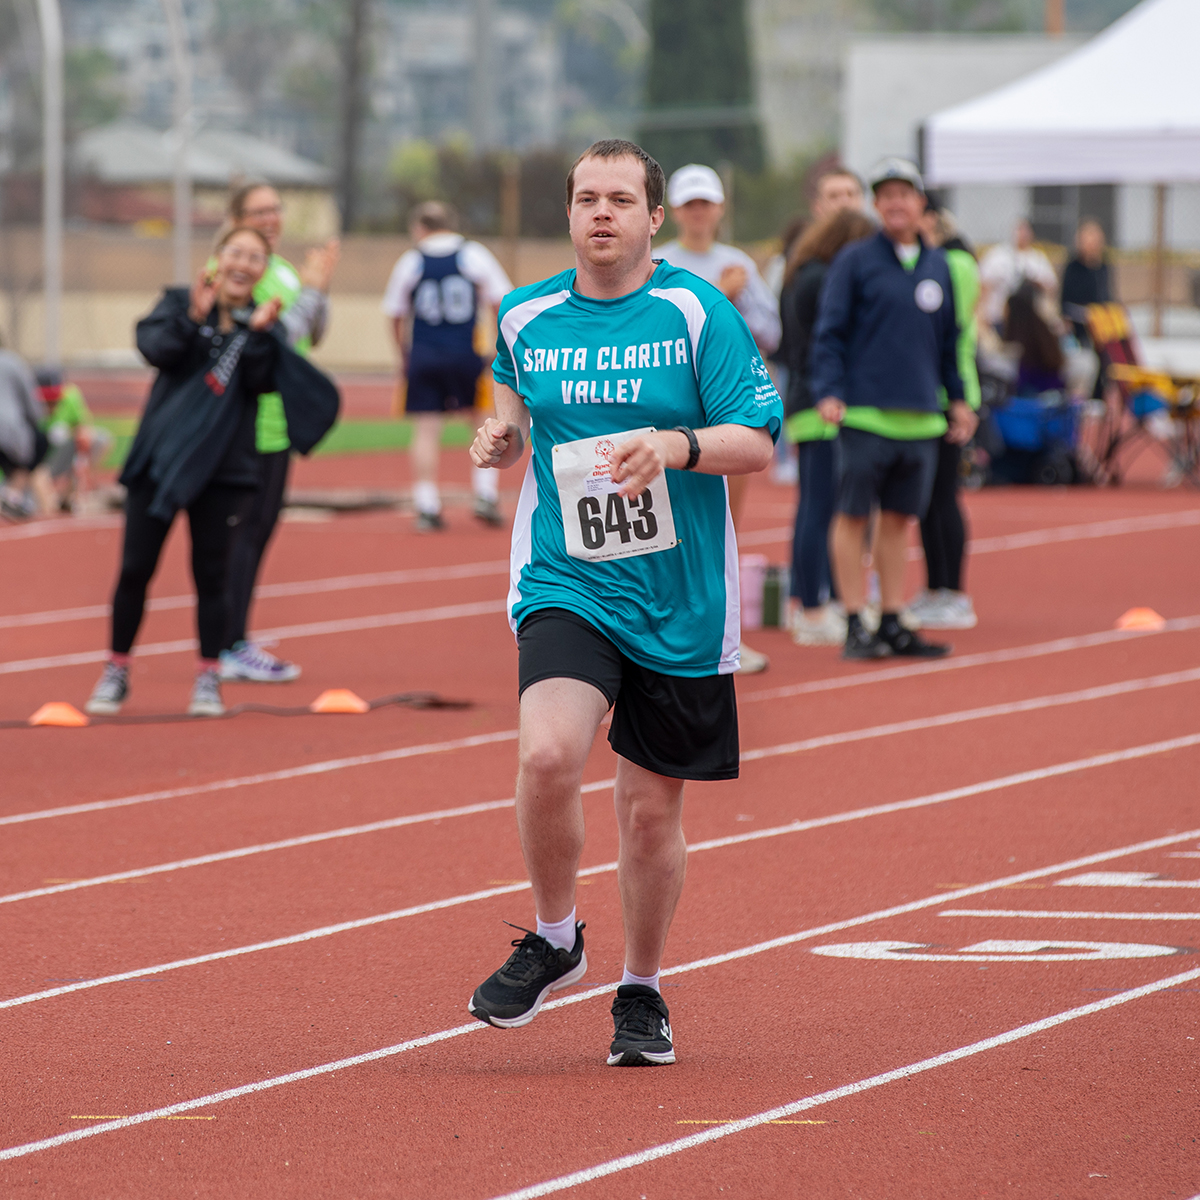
[884, 363]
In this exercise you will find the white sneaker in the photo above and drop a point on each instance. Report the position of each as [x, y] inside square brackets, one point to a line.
[954, 611]
[924, 604]
[206, 696]
[250, 663]
[752, 661]
[109, 693]
[829, 629]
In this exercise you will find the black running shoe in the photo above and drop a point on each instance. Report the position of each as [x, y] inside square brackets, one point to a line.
[513, 995]
[907, 643]
[643, 1028]
[862, 643]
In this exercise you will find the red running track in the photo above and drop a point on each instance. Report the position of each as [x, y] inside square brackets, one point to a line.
[883, 981]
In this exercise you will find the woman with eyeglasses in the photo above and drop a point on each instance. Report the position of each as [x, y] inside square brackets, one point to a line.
[216, 352]
[304, 297]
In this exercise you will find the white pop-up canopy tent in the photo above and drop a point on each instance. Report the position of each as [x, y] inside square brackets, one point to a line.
[1124, 108]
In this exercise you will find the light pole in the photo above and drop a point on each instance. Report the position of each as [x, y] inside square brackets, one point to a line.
[181, 61]
[50, 19]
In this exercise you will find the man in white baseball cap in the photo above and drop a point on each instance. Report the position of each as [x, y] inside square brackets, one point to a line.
[697, 201]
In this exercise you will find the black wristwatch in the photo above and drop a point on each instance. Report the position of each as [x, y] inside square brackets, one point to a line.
[693, 445]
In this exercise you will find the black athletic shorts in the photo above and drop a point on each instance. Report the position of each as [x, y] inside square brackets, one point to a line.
[873, 470]
[440, 384]
[674, 725]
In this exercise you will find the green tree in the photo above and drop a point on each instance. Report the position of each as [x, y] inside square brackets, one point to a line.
[699, 91]
[93, 93]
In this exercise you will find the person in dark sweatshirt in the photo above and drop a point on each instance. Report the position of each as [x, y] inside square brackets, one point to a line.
[885, 345]
[216, 353]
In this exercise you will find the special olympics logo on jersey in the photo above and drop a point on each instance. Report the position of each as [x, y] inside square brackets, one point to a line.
[929, 295]
[604, 450]
[759, 368]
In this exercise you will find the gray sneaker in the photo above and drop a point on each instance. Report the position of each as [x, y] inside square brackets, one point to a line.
[109, 693]
[206, 696]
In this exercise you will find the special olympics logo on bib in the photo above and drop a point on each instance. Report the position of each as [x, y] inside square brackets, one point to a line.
[929, 295]
[604, 449]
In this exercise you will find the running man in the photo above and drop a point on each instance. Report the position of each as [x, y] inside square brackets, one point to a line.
[643, 388]
[433, 299]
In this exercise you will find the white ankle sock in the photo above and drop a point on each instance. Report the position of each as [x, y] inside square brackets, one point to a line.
[485, 482]
[650, 981]
[559, 933]
[426, 498]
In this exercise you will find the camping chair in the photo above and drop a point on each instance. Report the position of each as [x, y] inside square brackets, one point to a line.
[1142, 406]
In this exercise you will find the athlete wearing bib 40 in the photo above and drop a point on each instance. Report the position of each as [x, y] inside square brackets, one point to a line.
[639, 387]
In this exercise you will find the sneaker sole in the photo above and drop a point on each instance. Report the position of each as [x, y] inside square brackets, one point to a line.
[950, 623]
[865, 656]
[206, 710]
[103, 708]
[634, 1057]
[235, 676]
[572, 976]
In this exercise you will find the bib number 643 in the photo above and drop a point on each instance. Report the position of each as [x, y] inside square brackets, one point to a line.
[594, 528]
[598, 522]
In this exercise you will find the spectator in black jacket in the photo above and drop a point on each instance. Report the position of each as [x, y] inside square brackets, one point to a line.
[816, 624]
[195, 449]
[1085, 279]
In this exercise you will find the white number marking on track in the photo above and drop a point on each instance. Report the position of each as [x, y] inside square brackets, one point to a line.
[1000, 951]
[1139, 879]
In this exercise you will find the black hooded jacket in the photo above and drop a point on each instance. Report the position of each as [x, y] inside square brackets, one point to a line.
[199, 423]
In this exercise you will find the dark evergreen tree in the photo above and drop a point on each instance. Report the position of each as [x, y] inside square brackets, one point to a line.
[699, 92]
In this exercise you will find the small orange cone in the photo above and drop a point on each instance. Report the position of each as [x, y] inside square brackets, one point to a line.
[339, 700]
[1140, 618]
[58, 713]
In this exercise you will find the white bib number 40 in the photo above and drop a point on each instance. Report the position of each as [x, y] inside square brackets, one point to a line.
[598, 522]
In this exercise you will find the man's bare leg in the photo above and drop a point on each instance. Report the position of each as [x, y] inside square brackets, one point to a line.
[426, 453]
[891, 549]
[559, 719]
[846, 546]
[652, 861]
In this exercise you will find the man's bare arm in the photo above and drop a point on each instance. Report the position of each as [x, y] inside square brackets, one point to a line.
[500, 440]
[724, 450]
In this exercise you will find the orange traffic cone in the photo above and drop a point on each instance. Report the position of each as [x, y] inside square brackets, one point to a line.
[339, 700]
[1140, 618]
[58, 713]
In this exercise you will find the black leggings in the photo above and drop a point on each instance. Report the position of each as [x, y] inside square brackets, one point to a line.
[250, 543]
[943, 530]
[213, 516]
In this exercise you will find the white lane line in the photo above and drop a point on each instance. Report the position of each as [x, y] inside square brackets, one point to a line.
[651, 1154]
[606, 868]
[857, 814]
[417, 616]
[591, 994]
[224, 785]
[1034, 704]
[309, 839]
[1071, 916]
[1027, 539]
[265, 591]
[958, 663]
[59, 525]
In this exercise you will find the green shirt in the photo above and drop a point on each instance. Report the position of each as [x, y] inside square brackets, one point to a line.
[279, 279]
[964, 275]
[71, 409]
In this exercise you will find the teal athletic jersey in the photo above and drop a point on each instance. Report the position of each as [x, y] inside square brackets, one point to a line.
[675, 352]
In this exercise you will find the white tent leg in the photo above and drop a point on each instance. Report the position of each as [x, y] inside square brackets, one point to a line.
[181, 62]
[1160, 249]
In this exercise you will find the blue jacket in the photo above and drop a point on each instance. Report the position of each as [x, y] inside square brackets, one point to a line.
[886, 337]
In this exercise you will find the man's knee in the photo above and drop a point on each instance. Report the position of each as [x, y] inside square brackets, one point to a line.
[548, 757]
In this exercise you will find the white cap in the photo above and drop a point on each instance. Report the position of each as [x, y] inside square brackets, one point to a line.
[694, 182]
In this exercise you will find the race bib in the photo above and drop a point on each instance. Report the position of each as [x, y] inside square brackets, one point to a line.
[598, 522]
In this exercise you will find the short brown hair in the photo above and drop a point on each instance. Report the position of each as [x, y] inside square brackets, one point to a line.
[836, 172]
[434, 215]
[823, 239]
[237, 201]
[656, 181]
